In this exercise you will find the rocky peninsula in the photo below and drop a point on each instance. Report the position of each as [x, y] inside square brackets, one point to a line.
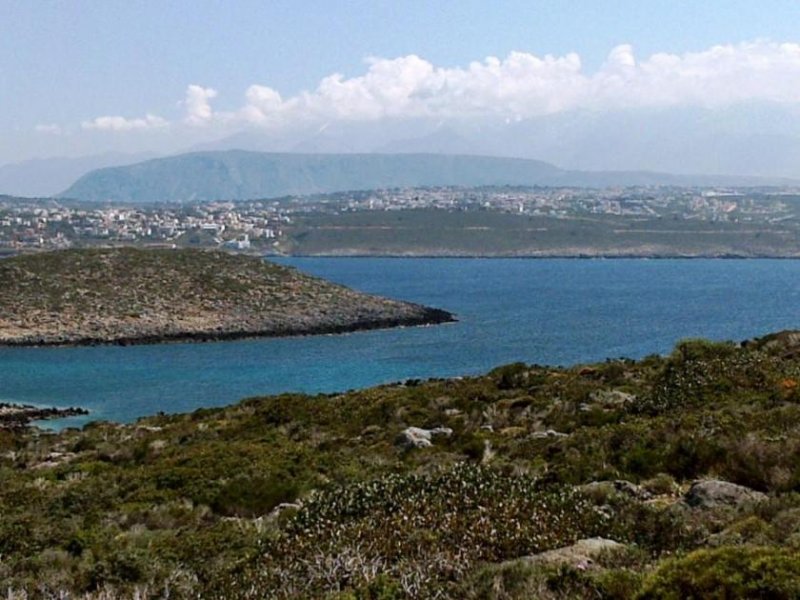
[127, 296]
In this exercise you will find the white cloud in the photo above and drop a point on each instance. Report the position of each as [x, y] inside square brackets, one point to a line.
[518, 86]
[263, 105]
[110, 123]
[524, 85]
[48, 128]
[720, 76]
[198, 105]
[620, 58]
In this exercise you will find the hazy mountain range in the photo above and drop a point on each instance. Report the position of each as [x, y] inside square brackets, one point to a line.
[237, 174]
[754, 140]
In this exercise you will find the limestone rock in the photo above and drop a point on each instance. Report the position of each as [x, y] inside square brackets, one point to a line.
[580, 555]
[371, 431]
[550, 433]
[612, 397]
[417, 437]
[713, 492]
[619, 486]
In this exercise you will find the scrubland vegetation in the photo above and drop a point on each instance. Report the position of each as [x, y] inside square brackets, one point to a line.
[315, 496]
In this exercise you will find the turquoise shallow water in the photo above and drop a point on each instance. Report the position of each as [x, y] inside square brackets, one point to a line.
[544, 311]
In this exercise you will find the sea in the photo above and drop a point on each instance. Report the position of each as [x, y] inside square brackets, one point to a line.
[544, 311]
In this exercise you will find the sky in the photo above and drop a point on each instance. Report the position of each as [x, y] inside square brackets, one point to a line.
[84, 76]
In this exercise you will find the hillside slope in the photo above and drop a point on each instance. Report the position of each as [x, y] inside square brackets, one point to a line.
[338, 496]
[137, 296]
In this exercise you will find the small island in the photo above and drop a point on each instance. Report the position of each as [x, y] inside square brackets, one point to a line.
[129, 296]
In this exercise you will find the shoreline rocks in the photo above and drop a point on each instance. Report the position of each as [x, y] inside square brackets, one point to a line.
[13, 416]
[429, 316]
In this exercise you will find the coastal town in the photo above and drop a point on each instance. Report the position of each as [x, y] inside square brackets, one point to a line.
[263, 225]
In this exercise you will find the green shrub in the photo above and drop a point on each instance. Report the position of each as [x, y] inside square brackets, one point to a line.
[519, 580]
[510, 376]
[750, 530]
[746, 572]
[618, 584]
[472, 445]
[661, 484]
[253, 497]
[701, 349]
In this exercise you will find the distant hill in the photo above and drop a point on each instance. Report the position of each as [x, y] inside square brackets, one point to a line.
[42, 177]
[237, 174]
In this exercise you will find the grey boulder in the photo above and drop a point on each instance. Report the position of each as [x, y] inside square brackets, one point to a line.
[714, 492]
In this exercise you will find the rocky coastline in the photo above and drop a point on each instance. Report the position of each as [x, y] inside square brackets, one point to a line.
[14, 416]
[426, 316]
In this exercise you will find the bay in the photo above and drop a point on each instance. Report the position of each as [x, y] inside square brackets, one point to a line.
[546, 311]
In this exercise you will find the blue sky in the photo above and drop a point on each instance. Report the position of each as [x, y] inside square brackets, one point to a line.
[65, 63]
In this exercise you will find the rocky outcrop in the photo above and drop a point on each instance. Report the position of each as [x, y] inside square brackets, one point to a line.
[713, 493]
[612, 398]
[131, 296]
[550, 433]
[416, 437]
[580, 555]
[618, 487]
[784, 343]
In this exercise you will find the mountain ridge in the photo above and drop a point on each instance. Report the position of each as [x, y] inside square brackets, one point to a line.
[242, 175]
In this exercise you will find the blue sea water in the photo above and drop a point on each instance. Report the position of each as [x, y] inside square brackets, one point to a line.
[537, 311]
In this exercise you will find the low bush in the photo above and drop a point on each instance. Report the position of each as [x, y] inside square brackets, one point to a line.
[729, 573]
